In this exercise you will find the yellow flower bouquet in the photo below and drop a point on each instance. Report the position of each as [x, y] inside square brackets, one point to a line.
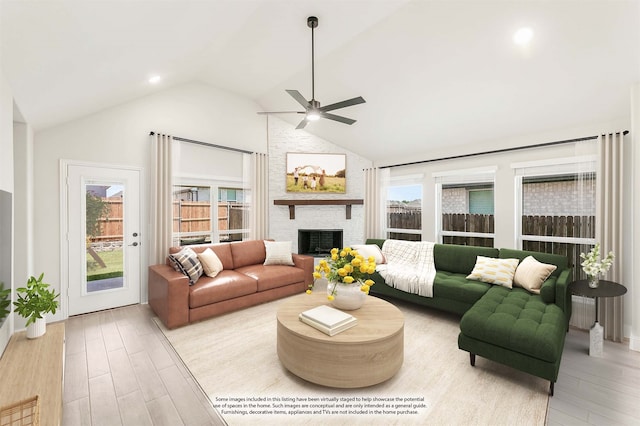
[345, 266]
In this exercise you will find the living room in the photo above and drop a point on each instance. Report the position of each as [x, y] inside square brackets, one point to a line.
[431, 119]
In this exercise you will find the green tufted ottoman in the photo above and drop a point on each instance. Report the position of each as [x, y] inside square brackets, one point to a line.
[515, 328]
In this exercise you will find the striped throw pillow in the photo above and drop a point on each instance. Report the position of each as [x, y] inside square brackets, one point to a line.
[187, 261]
[494, 271]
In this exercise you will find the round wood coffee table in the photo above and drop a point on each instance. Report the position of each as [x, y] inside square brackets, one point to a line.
[364, 355]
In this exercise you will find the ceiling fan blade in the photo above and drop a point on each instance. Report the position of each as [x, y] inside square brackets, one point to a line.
[298, 97]
[343, 104]
[281, 112]
[339, 118]
[302, 124]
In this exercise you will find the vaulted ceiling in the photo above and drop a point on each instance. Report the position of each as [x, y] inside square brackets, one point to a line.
[434, 73]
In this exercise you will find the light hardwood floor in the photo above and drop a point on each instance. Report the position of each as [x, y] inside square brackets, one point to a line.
[120, 370]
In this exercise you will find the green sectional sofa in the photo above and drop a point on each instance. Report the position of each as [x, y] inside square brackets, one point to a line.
[523, 330]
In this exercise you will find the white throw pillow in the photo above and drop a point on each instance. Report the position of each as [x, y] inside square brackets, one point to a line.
[367, 250]
[278, 253]
[210, 262]
[531, 274]
[494, 271]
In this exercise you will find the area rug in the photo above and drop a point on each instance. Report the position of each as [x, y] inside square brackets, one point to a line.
[233, 357]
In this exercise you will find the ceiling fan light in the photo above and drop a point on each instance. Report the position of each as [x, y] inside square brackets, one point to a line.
[313, 116]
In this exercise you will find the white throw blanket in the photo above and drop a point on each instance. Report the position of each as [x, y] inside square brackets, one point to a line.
[410, 266]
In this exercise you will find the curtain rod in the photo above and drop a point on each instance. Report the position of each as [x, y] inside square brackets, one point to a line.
[498, 151]
[207, 144]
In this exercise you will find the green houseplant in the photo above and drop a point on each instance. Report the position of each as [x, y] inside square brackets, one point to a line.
[35, 300]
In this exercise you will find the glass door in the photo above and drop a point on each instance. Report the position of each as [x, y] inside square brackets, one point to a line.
[104, 238]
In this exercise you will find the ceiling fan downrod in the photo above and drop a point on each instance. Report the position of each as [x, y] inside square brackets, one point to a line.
[312, 109]
[312, 22]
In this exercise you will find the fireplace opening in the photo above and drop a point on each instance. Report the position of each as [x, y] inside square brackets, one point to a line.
[318, 242]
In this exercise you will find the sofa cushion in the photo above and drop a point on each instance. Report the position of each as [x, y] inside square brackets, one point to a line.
[531, 274]
[517, 320]
[187, 262]
[554, 259]
[210, 262]
[246, 253]
[278, 253]
[494, 271]
[454, 286]
[226, 285]
[370, 250]
[273, 276]
[222, 250]
[548, 290]
[459, 259]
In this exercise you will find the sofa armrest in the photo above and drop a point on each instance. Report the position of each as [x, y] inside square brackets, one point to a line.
[305, 263]
[169, 295]
[563, 295]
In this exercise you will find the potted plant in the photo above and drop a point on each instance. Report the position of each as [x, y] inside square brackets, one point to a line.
[33, 302]
[593, 266]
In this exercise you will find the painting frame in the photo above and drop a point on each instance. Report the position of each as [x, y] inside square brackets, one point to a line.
[315, 173]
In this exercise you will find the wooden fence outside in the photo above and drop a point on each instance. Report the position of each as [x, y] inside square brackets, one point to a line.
[551, 226]
[111, 226]
[189, 216]
[405, 220]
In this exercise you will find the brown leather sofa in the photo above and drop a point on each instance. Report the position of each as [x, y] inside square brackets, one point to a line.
[244, 282]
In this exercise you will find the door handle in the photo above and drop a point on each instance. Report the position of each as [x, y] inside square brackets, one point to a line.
[134, 244]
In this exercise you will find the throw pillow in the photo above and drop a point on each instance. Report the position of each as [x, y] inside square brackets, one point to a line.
[278, 253]
[368, 250]
[531, 274]
[188, 263]
[494, 271]
[174, 264]
[211, 263]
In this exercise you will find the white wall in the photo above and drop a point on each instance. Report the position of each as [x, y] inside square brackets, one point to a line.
[23, 203]
[6, 170]
[632, 243]
[120, 136]
[283, 138]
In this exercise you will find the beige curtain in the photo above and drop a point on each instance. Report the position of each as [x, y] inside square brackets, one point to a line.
[609, 227]
[259, 187]
[161, 198]
[375, 182]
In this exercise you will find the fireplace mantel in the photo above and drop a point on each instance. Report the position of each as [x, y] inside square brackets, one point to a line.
[293, 203]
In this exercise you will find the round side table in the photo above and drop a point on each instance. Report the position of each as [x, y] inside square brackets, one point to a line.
[604, 289]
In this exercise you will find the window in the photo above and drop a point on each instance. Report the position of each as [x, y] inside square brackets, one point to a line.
[404, 208]
[232, 214]
[557, 207]
[465, 207]
[480, 201]
[194, 214]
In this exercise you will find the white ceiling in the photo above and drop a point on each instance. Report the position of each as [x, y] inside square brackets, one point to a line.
[433, 73]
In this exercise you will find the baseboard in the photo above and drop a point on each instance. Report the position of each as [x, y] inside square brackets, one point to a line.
[634, 343]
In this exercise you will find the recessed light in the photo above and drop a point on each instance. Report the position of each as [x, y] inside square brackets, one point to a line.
[523, 36]
[155, 79]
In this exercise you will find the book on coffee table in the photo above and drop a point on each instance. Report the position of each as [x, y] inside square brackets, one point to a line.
[329, 320]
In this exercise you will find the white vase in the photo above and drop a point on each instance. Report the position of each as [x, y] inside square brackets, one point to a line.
[37, 328]
[346, 296]
[594, 281]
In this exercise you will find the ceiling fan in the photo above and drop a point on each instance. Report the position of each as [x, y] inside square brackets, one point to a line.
[312, 109]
